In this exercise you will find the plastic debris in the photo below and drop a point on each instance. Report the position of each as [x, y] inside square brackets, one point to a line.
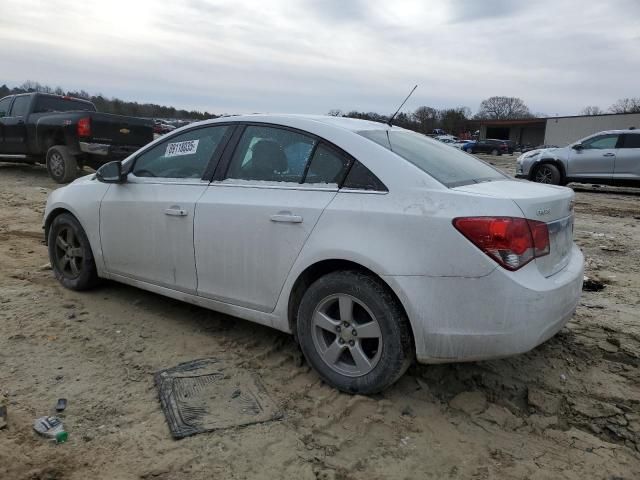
[52, 428]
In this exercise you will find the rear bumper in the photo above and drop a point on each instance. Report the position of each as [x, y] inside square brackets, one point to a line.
[114, 152]
[501, 314]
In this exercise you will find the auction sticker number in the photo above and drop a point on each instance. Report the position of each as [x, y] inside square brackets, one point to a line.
[182, 148]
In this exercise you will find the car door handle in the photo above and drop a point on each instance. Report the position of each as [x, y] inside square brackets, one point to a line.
[176, 212]
[286, 217]
[609, 155]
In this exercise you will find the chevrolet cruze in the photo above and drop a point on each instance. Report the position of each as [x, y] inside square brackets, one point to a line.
[372, 244]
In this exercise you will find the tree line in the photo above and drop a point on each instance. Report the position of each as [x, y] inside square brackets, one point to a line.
[424, 119]
[111, 105]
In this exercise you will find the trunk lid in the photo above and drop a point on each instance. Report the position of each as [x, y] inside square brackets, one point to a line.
[550, 204]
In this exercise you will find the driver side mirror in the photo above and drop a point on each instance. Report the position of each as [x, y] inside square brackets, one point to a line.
[111, 173]
[578, 147]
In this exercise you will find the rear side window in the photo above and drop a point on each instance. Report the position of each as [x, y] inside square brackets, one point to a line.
[449, 166]
[631, 140]
[271, 154]
[20, 106]
[361, 178]
[183, 156]
[327, 166]
[58, 104]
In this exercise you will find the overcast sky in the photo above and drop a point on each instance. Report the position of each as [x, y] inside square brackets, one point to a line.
[309, 56]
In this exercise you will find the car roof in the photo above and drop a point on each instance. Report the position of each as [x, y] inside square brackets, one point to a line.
[607, 132]
[352, 124]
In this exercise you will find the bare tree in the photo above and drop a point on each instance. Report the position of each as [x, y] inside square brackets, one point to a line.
[591, 110]
[626, 105]
[500, 108]
[426, 118]
[335, 112]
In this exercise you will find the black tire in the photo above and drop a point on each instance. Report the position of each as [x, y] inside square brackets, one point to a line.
[70, 254]
[393, 351]
[61, 165]
[495, 152]
[547, 173]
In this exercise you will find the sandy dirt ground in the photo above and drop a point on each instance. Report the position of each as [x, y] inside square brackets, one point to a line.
[569, 409]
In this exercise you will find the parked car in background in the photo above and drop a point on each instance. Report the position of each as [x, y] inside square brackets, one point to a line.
[446, 138]
[66, 133]
[461, 144]
[374, 245]
[491, 146]
[161, 127]
[611, 157]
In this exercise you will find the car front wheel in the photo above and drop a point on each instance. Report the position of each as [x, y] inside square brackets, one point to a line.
[354, 333]
[547, 173]
[70, 254]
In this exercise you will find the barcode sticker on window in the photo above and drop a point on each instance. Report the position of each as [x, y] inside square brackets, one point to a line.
[182, 148]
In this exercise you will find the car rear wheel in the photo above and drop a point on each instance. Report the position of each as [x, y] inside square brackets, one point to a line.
[547, 173]
[61, 165]
[354, 333]
[70, 254]
[495, 152]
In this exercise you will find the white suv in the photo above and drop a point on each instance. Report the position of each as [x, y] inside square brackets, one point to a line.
[611, 157]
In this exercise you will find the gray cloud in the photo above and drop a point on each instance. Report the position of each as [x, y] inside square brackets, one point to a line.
[314, 55]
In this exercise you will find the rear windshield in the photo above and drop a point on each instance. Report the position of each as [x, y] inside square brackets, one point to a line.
[447, 164]
[54, 104]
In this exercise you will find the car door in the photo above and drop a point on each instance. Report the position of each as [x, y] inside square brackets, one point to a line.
[15, 130]
[253, 221]
[627, 165]
[146, 223]
[594, 158]
[5, 106]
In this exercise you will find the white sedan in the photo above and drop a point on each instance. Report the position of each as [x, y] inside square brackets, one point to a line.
[372, 244]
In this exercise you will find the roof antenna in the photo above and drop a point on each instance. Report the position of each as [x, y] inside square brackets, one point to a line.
[401, 105]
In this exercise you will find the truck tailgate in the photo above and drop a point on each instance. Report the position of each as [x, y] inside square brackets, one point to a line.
[120, 130]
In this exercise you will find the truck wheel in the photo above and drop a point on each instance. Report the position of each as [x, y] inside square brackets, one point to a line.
[354, 333]
[61, 165]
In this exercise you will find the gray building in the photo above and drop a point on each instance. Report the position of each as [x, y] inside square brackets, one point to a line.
[556, 130]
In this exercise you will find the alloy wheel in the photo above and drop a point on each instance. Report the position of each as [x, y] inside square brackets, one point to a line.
[56, 164]
[544, 175]
[68, 253]
[347, 335]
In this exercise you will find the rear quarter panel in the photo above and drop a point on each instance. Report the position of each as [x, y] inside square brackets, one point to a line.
[403, 233]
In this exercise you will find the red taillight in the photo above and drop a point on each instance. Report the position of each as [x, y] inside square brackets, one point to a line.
[84, 127]
[512, 242]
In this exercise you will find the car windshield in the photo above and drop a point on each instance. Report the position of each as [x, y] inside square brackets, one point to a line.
[449, 166]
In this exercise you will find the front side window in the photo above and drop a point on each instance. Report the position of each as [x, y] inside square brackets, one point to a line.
[183, 156]
[601, 142]
[20, 106]
[271, 154]
[4, 106]
[449, 166]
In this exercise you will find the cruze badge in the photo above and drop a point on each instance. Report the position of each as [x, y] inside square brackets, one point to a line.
[543, 211]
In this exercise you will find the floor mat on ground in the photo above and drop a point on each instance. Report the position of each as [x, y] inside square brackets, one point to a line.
[205, 395]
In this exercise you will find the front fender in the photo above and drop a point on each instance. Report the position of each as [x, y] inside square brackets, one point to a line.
[82, 200]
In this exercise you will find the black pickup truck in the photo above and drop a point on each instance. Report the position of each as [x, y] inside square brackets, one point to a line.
[66, 133]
